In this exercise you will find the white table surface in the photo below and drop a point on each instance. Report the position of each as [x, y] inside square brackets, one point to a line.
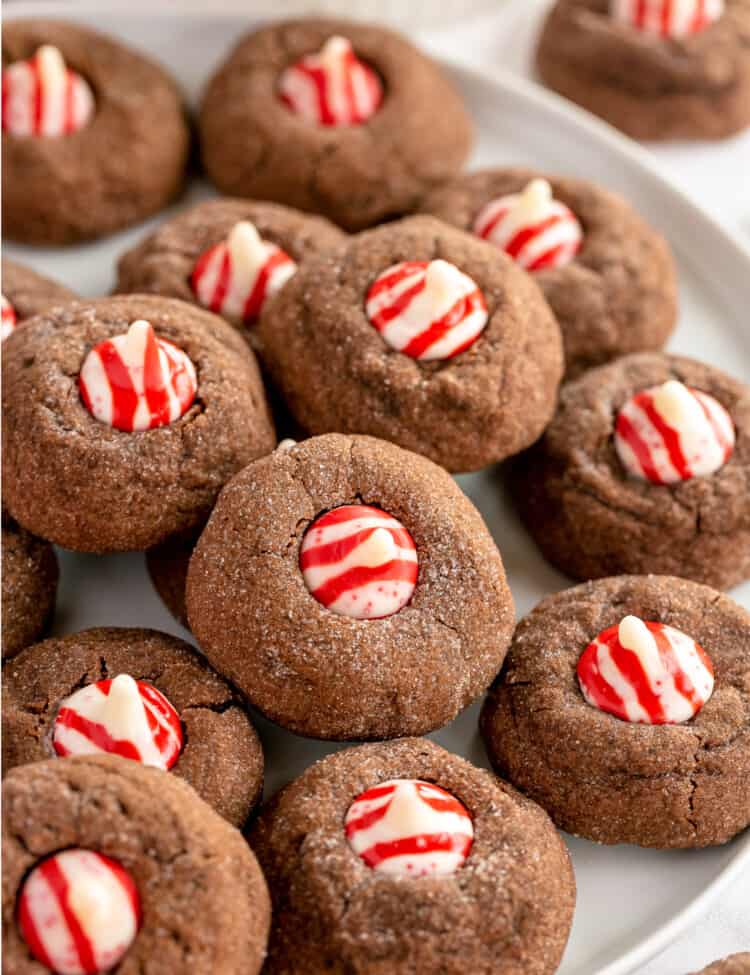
[717, 176]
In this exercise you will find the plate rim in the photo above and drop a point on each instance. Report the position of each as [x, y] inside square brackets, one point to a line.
[639, 158]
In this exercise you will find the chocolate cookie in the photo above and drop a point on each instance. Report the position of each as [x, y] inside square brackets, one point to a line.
[213, 746]
[96, 461]
[664, 78]
[350, 590]
[105, 145]
[29, 586]
[732, 965]
[26, 293]
[621, 484]
[550, 723]
[608, 277]
[200, 255]
[365, 146]
[188, 894]
[167, 566]
[489, 887]
[420, 334]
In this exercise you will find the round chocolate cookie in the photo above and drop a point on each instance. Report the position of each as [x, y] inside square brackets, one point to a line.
[221, 755]
[506, 906]
[167, 261]
[29, 293]
[197, 898]
[124, 163]
[29, 586]
[357, 171]
[345, 361]
[732, 965]
[294, 641]
[617, 294]
[592, 516]
[683, 86]
[616, 780]
[167, 566]
[92, 486]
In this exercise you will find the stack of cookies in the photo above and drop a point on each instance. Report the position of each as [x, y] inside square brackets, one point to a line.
[271, 406]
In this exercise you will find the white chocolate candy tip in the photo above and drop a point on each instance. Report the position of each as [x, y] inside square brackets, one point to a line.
[378, 549]
[51, 63]
[334, 50]
[246, 247]
[286, 444]
[676, 404]
[632, 632]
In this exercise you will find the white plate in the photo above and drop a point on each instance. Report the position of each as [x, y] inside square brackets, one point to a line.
[517, 122]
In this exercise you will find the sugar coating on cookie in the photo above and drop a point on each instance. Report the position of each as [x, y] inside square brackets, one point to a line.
[428, 310]
[359, 561]
[646, 673]
[42, 96]
[332, 87]
[410, 828]
[667, 18]
[120, 716]
[137, 381]
[534, 228]
[9, 319]
[671, 433]
[235, 277]
[79, 912]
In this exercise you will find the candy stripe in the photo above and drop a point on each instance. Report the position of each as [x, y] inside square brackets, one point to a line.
[671, 433]
[42, 97]
[426, 310]
[8, 318]
[409, 827]
[664, 677]
[358, 561]
[332, 87]
[96, 734]
[668, 18]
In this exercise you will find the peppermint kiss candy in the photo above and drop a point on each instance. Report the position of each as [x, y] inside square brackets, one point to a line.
[670, 433]
[667, 18]
[536, 230]
[409, 828]
[426, 310]
[137, 381]
[332, 87]
[79, 912]
[9, 318]
[123, 717]
[43, 97]
[360, 562]
[647, 673]
[235, 277]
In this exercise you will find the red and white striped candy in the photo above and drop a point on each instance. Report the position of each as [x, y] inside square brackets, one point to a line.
[670, 433]
[358, 561]
[79, 912]
[428, 311]
[647, 673]
[42, 96]
[235, 277]
[332, 87]
[667, 18]
[121, 717]
[137, 381]
[409, 828]
[536, 230]
[9, 320]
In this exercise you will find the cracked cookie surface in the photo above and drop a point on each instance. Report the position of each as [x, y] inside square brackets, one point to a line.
[357, 175]
[222, 758]
[695, 87]
[508, 909]
[612, 781]
[204, 901]
[126, 164]
[618, 295]
[90, 487]
[322, 674]
[591, 519]
[337, 373]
